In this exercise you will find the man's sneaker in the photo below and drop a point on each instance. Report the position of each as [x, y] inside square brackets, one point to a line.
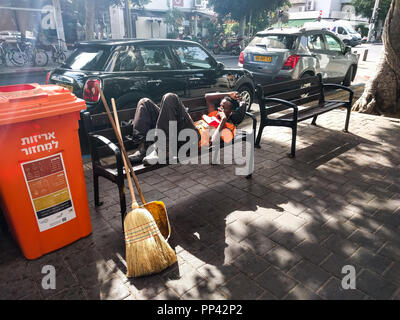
[151, 159]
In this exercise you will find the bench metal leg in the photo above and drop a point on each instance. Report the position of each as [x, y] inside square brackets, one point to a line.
[294, 136]
[122, 201]
[346, 126]
[97, 202]
[314, 121]
[259, 134]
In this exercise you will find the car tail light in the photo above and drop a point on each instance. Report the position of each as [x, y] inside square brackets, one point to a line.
[48, 77]
[91, 91]
[241, 58]
[291, 62]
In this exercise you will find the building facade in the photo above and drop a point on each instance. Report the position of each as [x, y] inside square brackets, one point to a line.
[149, 22]
[302, 11]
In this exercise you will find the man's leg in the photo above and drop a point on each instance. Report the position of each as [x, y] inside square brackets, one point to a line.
[171, 109]
[145, 119]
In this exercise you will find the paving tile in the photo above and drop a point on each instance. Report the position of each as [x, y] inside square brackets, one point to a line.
[332, 290]
[300, 292]
[310, 275]
[237, 230]
[228, 250]
[390, 250]
[313, 252]
[94, 274]
[217, 275]
[166, 295]
[183, 279]
[241, 287]
[367, 240]
[370, 260]
[258, 243]
[375, 286]
[340, 246]
[73, 293]
[276, 282]
[267, 296]
[264, 225]
[282, 258]
[251, 264]
[393, 273]
[203, 292]
[112, 289]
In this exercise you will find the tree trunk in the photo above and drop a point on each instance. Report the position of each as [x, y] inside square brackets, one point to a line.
[382, 92]
[90, 9]
[242, 27]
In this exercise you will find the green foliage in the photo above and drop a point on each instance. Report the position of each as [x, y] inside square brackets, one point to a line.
[175, 18]
[231, 28]
[239, 8]
[365, 8]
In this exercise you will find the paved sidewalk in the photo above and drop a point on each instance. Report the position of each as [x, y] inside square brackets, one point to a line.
[284, 234]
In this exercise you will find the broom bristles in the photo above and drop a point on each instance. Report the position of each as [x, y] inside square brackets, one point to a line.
[147, 251]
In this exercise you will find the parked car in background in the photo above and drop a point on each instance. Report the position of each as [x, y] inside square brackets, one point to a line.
[290, 54]
[343, 30]
[129, 70]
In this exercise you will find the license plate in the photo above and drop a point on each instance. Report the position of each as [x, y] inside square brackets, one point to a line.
[70, 88]
[263, 59]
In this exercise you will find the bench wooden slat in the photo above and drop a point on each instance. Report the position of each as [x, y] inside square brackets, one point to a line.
[296, 93]
[310, 112]
[288, 85]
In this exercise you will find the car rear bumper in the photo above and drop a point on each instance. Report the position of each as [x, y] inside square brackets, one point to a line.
[262, 78]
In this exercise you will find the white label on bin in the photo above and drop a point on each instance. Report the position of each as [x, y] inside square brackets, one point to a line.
[48, 188]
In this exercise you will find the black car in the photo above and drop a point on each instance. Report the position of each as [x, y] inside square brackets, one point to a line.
[129, 70]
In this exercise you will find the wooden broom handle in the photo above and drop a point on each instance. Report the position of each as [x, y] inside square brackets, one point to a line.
[121, 144]
[128, 176]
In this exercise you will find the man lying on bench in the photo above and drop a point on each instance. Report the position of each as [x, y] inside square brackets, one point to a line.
[220, 120]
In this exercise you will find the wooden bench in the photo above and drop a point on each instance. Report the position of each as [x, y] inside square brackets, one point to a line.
[104, 146]
[286, 95]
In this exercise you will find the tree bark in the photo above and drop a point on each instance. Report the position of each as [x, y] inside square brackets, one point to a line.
[382, 92]
[90, 9]
[242, 27]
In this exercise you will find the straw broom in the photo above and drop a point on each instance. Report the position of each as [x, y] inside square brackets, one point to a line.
[147, 251]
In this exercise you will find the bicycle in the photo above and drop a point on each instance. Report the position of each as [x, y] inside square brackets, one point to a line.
[32, 54]
[11, 55]
[57, 52]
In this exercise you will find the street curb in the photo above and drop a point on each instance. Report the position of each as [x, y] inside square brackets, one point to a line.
[24, 71]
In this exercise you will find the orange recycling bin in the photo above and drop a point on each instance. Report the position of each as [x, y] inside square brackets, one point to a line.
[42, 186]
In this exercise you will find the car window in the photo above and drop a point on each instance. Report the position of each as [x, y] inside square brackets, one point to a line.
[341, 31]
[280, 41]
[87, 58]
[156, 58]
[129, 59]
[333, 43]
[193, 57]
[316, 42]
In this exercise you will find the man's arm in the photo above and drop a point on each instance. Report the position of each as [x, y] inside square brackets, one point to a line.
[212, 98]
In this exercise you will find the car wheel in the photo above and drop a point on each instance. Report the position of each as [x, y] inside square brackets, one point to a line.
[305, 76]
[247, 95]
[347, 79]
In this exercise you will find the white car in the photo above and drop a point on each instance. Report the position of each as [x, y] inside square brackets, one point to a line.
[343, 29]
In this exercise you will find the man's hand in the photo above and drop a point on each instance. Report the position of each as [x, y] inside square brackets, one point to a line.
[223, 116]
[235, 95]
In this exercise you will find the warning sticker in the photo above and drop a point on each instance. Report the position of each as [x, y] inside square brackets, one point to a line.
[48, 188]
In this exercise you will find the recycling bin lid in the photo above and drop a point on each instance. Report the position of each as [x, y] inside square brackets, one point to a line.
[24, 102]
